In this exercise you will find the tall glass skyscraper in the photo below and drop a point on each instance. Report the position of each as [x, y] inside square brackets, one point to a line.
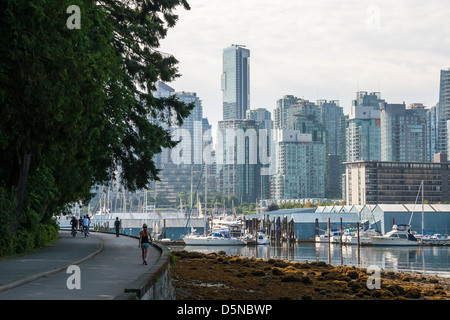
[236, 82]
[238, 168]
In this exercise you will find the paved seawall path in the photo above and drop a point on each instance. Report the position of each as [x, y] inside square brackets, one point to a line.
[107, 265]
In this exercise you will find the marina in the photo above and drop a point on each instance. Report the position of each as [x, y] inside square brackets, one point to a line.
[291, 234]
[429, 260]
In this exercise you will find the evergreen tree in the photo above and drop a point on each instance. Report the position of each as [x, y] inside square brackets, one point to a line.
[76, 103]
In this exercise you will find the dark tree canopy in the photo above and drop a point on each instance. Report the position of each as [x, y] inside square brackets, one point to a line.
[76, 103]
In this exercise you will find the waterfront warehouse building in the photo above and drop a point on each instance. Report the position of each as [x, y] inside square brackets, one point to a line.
[307, 222]
[436, 217]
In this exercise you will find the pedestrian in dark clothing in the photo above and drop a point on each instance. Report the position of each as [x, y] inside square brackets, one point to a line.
[117, 226]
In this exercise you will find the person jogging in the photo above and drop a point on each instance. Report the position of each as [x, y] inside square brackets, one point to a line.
[145, 239]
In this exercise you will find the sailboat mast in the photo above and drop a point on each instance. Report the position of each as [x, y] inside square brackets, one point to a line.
[423, 229]
[206, 189]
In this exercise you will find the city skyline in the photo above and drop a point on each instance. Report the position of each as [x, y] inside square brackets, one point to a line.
[396, 47]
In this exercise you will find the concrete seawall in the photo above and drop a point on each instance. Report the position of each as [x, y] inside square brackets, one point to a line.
[156, 283]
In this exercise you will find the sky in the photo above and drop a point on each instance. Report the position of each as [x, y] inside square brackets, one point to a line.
[323, 49]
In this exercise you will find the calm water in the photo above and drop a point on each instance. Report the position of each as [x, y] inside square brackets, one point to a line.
[431, 260]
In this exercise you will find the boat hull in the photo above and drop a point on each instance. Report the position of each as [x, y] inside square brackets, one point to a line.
[362, 240]
[386, 241]
[436, 242]
[211, 241]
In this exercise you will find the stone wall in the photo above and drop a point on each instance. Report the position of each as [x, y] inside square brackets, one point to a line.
[155, 284]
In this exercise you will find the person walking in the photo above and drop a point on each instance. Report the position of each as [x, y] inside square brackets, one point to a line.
[145, 239]
[117, 226]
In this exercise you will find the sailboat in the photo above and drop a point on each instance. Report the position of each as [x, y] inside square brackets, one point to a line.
[220, 237]
[430, 238]
[400, 235]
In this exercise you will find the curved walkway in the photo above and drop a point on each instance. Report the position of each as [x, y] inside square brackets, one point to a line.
[107, 264]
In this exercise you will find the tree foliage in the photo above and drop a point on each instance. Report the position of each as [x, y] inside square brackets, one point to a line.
[76, 103]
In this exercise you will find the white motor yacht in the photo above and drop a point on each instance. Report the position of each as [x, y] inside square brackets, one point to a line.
[262, 238]
[323, 238]
[400, 235]
[216, 238]
[351, 237]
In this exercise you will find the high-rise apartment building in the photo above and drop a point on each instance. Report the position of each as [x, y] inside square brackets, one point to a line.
[363, 134]
[362, 128]
[443, 112]
[444, 93]
[300, 166]
[363, 98]
[404, 133]
[282, 106]
[236, 82]
[437, 131]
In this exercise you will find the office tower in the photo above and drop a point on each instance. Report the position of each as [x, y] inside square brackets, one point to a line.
[404, 133]
[236, 82]
[263, 117]
[190, 132]
[363, 140]
[163, 91]
[374, 182]
[331, 115]
[182, 165]
[238, 168]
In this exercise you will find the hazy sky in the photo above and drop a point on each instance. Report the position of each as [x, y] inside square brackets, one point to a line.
[323, 49]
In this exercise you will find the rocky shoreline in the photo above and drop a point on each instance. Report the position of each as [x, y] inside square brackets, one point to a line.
[217, 276]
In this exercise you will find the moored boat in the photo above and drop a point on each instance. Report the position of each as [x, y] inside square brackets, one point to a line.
[262, 238]
[435, 239]
[323, 238]
[218, 238]
[400, 235]
[365, 234]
